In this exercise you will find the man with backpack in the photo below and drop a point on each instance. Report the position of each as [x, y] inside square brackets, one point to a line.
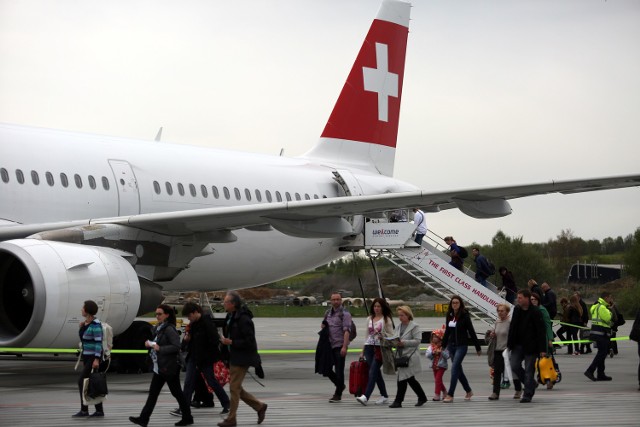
[484, 268]
[338, 320]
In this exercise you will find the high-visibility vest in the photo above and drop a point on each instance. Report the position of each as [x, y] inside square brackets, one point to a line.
[600, 314]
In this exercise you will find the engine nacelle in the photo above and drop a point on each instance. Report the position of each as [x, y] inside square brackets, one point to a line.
[43, 285]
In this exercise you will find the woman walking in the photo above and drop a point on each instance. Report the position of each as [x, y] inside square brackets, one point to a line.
[91, 340]
[409, 337]
[164, 354]
[379, 325]
[500, 333]
[459, 330]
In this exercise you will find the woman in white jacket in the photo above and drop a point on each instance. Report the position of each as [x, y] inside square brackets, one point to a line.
[409, 337]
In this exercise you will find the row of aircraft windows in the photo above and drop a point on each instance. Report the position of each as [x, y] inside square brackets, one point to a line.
[64, 180]
[226, 193]
[204, 191]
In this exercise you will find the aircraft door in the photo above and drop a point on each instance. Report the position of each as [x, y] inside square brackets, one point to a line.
[127, 185]
[350, 186]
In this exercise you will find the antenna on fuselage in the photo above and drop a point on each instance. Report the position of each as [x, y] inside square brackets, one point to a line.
[159, 134]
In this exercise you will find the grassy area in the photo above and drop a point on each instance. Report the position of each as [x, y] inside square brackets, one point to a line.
[318, 311]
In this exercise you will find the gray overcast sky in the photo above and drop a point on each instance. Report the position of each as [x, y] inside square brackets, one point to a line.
[495, 92]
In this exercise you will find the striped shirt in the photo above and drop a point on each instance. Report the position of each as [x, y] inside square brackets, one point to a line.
[91, 337]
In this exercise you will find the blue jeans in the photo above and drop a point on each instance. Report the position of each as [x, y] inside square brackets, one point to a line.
[457, 354]
[190, 382]
[375, 376]
[525, 375]
[418, 238]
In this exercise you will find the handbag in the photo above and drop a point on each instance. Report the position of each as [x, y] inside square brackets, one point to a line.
[94, 388]
[402, 361]
[584, 334]
[221, 372]
[377, 353]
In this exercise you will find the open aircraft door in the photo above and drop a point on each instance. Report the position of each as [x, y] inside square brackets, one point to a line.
[350, 186]
[127, 185]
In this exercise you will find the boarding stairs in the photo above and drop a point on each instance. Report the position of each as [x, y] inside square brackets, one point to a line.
[429, 264]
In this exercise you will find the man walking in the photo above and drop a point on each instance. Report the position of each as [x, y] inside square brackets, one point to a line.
[243, 353]
[421, 225]
[338, 321]
[601, 320]
[527, 340]
[549, 300]
[482, 267]
[203, 341]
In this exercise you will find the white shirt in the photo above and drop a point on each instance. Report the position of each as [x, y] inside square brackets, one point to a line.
[419, 220]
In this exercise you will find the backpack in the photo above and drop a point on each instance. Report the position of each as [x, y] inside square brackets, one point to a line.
[107, 340]
[462, 252]
[491, 268]
[353, 333]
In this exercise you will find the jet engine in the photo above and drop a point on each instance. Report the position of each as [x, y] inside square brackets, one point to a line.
[43, 285]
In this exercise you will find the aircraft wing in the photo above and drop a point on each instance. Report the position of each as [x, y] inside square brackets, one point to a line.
[489, 202]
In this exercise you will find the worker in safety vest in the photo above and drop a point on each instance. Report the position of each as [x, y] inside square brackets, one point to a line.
[602, 318]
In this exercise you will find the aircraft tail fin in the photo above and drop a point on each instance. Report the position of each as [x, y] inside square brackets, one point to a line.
[363, 127]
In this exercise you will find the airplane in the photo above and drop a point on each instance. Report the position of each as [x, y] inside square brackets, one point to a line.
[118, 220]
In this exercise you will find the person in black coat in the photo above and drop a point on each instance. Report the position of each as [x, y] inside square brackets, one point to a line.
[243, 353]
[509, 284]
[203, 343]
[527, 340]
[164, 349]
[584, 347]
[456, 340]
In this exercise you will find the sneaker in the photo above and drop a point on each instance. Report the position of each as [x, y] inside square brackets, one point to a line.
[176, 412]
[517, 395]
[362, 399]
[494, 396]
[335, 398]
[138, 421]
[97, 414]
[184, 422]
[80, 414]
[382, 401]
[505, 384]
[576, 353]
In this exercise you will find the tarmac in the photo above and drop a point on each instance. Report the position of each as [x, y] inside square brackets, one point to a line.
[42, 391]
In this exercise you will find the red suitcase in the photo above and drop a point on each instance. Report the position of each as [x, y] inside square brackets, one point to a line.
[358, 377]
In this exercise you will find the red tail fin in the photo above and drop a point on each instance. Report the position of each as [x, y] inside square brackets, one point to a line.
[368, 109]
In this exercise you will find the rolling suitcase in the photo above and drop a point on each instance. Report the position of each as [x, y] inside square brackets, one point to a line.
[547, 372]
[358, 377]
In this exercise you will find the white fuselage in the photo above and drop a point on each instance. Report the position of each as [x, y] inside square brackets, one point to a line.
[138, 175]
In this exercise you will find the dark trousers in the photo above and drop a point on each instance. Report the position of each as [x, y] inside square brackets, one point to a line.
[525, 375]
[639, 364]
[375, 376]
[86, 370]
[157, 382]
[498, 370]
[207, 371]
[415, 386]
[337, 375]
[602, 342]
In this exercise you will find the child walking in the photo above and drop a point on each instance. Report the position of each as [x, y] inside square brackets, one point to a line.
[439, 357]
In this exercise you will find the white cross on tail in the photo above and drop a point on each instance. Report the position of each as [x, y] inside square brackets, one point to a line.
[380, 80]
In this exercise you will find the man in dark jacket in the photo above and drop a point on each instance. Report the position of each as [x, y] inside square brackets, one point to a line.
[549, 300]
[527, 340]
[203, 342]
[483, 270]
[243, 353]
